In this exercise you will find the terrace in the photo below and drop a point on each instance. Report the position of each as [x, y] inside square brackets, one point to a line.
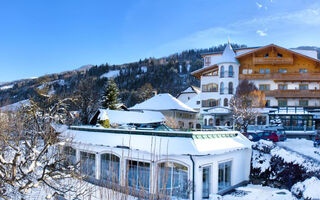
[283, 77]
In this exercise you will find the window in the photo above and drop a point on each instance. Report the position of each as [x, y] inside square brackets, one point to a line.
[244, 71]
[211, 87]
[207, 60]
[282, 102]
[282, 86]
[70, 156]
[88, 164]
[205, 122]
[230, 88]
[230, 73]
[264, 87]
[279, 55]
[303, 103]
[206, 183]
[173, 180]
[303, 70]
[261, 120]
[303, 86]
[282, 70]
[212, 73]
[210, 103]
[221, 88]
[261, 71]
[210, 122]
[267, 103]
[266, 55]
[110, 165]
[198, 102]
[225, 102]
[267, 71]
[249, 71]
[222, 71]
[224, 176]
[138, 174]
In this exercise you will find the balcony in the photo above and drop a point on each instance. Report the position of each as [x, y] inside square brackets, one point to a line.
[226, 74]
[283, 77]
[272, 61]
[293, 93]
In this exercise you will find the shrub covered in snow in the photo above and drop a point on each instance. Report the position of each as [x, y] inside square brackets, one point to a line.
[308, 189]
[277, 167]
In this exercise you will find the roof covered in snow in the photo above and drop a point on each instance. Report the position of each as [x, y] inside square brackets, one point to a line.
[191, 89]
[130, 117]
[14, 107]
[166, 142]
[162, 102]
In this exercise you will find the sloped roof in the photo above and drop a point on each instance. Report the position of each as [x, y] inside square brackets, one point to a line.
[162, 102]
[130, 117]
[191, 89]
[199, 143]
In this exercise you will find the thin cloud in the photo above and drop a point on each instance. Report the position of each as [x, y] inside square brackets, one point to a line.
[259, 5]
[261, 33]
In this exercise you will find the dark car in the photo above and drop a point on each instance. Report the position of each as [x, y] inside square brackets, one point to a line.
[269, 135]
[316, 142]
[252, 136]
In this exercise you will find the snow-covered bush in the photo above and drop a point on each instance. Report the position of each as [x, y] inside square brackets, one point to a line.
[308, 189]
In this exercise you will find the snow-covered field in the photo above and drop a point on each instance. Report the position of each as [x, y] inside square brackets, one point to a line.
[258, 192]
[302, 146]
[111, 74]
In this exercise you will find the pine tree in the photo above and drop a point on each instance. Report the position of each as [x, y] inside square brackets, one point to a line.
[110, 96]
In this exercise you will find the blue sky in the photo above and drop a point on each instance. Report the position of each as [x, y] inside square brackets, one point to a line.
[40, 37]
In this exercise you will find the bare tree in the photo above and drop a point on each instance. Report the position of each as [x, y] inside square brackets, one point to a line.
[30, 155]
[245, 103]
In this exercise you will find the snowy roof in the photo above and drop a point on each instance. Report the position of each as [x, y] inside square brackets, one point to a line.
[199, 143]
[217, 110]
[291, 111]
[309, 53]
[14, 107]
[128, 117]
[163, 101]
[191, 89]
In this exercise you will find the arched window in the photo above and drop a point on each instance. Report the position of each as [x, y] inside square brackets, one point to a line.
[221, 88]
[110, 165]
[205, 122]
[230, 88]
[222, 71]
[225, 102]
[230, 71]
[88, 164]
[173, 180]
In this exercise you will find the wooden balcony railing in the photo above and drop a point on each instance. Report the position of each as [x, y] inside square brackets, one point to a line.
[293, 93]
[283, 77]
[272, 60]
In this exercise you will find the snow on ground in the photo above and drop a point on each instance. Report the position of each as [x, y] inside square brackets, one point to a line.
[6, 87]
[302, 146]
[60, 82]
[308, 189]
[144, 69]
[15, 106]
[111, 74]
[255, 192]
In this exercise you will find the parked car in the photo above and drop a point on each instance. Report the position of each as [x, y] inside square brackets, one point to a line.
[316, 142]
[269, 135]
[278, 130]
[252, 136]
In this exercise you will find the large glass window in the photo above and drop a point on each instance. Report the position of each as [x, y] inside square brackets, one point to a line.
[222, 71]
[262, 120]
[210, 87]
[224, 179]
[282, 102]
[303, 87]
[221, 88]
[88, 164]
[282, 86]
[138, 175]
[206, 182]
[173, 180]
[282, 70]
[110, 165]
[230, 73]
[264, 87]
[70, 155]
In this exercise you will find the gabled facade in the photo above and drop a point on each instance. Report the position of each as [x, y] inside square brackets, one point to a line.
[288, 77]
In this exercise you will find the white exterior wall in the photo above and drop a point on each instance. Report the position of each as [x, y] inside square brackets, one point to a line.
[185, 97]
[240, 168]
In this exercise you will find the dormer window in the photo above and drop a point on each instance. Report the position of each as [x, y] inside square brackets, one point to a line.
[279, 55]
[207, 60]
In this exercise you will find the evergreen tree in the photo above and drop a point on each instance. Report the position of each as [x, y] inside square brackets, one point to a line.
[110, 95]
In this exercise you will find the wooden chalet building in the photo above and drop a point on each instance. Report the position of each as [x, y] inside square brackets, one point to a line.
[290, 78]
